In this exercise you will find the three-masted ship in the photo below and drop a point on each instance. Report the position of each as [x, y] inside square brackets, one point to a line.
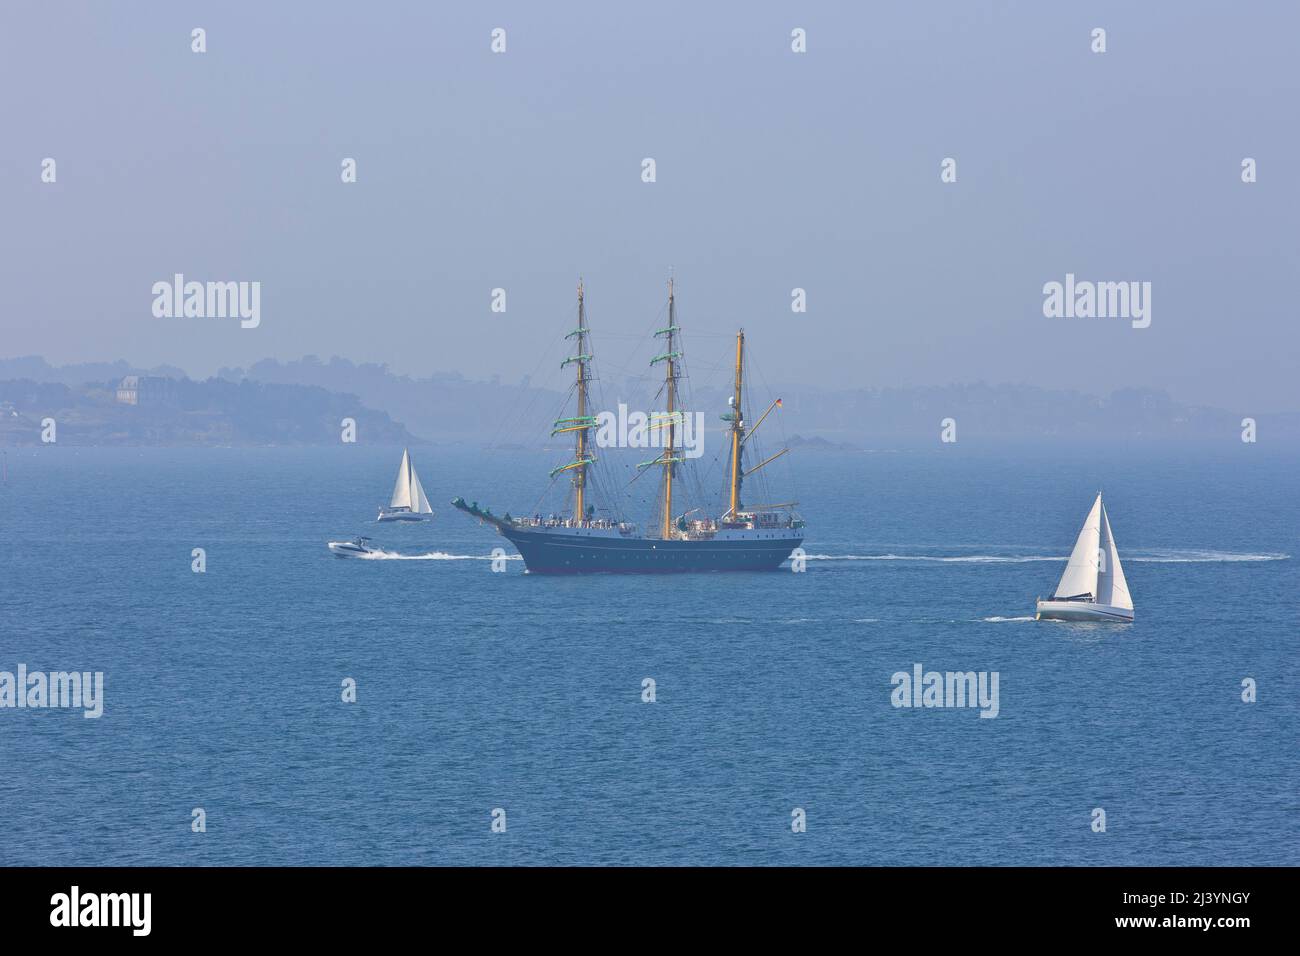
[741, 538]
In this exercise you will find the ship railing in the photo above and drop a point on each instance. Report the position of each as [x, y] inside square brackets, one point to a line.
[555, 521]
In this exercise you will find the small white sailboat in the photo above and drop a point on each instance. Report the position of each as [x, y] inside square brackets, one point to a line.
[408, 502]
[1093, 586]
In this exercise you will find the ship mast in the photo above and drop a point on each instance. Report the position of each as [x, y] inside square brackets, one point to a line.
[671, 379]
[669, 459]
[737, 427]
[583, 422]
[580, 445]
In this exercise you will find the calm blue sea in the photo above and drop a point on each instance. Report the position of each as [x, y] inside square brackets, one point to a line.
[480, 690]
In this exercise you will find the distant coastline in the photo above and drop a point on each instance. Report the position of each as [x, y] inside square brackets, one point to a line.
[152, 410]
[304, 402]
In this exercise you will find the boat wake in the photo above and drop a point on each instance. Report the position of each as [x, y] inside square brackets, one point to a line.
[1005, 620]
[1173, 556]
[430, 556]
[1152, 556]
[946, 559]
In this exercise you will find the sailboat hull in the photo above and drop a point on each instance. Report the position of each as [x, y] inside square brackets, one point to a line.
[547, 551]
[1082, 611]
[403, 515]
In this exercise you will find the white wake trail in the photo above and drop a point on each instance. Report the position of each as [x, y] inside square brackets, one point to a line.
[431, 556]
[1137, 556]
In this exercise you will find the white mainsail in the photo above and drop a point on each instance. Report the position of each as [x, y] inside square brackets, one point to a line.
[402, 489]
[1080, 575]
[1112, 589]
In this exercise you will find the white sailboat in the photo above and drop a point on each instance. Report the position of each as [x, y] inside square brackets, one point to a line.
[408, 502]
[1093, 586]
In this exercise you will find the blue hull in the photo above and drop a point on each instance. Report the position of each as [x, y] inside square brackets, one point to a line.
[549, 553]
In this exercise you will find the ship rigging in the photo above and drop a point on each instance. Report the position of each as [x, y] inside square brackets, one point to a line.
[740, 538]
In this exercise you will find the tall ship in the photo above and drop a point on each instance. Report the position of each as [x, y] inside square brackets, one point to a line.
[742, 537]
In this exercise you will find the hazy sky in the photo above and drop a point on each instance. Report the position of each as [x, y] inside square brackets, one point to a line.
[775, 170]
